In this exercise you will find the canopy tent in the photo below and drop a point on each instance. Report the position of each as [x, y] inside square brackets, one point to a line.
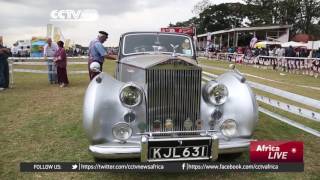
[313, 45]
[264, 44]
[294, 44]
[37, 45]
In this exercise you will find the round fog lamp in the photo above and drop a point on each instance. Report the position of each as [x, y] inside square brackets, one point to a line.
[229, 128]
[121, 131]
[216, 115]
[129, 117]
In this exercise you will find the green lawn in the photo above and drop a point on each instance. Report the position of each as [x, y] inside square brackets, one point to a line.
[42, 122]
[290, 80]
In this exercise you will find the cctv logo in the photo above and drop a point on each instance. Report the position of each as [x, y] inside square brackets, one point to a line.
[74, 15]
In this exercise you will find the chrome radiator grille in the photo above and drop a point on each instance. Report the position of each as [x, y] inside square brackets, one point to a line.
[173, 93]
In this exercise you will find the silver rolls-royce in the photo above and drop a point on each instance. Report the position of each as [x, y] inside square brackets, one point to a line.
[158, 108]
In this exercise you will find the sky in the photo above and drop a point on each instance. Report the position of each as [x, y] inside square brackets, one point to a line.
[22, 19]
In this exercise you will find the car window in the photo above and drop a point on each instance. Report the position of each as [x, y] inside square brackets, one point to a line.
[157, 43]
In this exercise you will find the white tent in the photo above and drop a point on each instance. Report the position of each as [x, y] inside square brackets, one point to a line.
[294, 44]
[313, 45]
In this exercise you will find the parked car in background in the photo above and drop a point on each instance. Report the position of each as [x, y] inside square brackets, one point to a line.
[22, 48]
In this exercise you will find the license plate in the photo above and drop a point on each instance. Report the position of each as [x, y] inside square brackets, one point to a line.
[179, 150]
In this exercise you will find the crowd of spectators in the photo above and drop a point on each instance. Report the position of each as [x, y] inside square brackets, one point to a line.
[288, 59]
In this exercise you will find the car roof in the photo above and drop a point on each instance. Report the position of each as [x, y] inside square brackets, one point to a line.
[154, 32]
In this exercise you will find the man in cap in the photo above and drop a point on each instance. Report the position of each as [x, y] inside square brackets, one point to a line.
[97, 52]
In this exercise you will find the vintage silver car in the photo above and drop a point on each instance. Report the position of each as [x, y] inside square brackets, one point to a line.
[158, 108]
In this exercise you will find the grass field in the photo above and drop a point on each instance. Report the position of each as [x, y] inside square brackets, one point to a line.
[291, 81]
[42, 122]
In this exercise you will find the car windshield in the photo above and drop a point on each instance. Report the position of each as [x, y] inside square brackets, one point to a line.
[144, 43]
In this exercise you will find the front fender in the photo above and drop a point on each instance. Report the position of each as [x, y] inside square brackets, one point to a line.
[102, 107]
[240, 106]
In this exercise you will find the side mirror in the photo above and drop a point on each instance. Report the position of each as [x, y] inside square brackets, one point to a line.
[95, 67]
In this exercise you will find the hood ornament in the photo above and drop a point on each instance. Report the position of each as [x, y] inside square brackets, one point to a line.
[174, 47]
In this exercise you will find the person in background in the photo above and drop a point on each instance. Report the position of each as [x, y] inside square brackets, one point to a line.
[211, 51]
[238, 54]
[291, 62]
[317, 54]
[230, 52]
[240, 50]
[281, 60]
[277, 51]
[316, 64]
[97, 52]
[4, 67]
[271, 59]
[247, 55]
[302, 63]
[48, 51]
[60, 59]
[271, 51]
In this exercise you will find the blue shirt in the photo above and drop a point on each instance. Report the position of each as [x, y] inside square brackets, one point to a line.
[96, 51]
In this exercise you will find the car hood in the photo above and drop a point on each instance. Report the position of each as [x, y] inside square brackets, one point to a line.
[146, 61]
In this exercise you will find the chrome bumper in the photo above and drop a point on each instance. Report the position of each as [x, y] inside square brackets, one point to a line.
[116, 150]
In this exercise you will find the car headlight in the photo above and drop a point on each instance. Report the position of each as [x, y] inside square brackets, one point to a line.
[215, 93]
[121, 131]
[131, 95]
[229, 128]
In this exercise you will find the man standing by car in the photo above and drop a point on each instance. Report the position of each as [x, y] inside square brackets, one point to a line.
[4, 67]
[48, 51]
[97, 52]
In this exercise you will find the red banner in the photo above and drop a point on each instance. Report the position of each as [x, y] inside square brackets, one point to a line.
[276, 151]
[184, 30]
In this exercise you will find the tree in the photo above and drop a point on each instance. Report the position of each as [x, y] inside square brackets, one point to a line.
[217, 17]
[304, 15]
[201, 6]
[261, 12]
[222, 16]
[310, 14]
[191, 22]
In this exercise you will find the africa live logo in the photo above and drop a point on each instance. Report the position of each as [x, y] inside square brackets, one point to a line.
[276, 151]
